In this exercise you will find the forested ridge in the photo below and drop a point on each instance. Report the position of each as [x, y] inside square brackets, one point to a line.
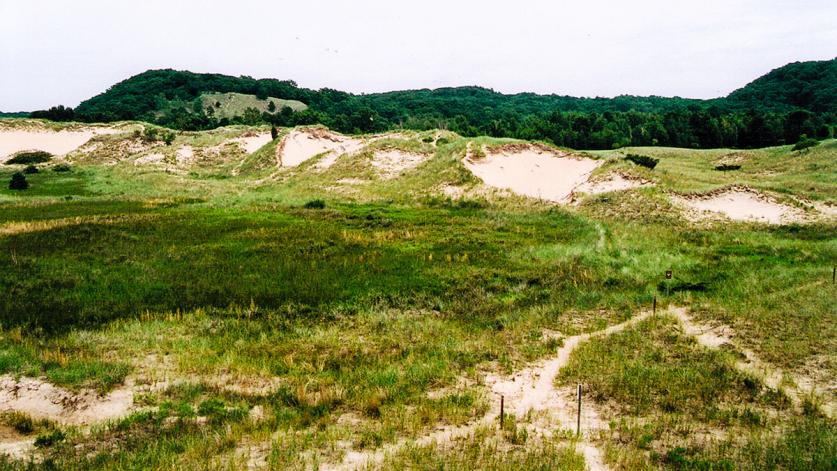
[777, 108]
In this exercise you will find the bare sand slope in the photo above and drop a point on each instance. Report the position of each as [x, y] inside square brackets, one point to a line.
[301, 145]
[533, 171]
[252, 143]
[13, 141]
[741, 205]
[42, 400]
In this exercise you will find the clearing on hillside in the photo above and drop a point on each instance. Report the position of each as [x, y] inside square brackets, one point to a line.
[301, 145]
[230, 105]
[533, 170]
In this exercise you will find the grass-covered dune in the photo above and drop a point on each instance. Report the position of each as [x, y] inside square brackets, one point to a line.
[308, 316]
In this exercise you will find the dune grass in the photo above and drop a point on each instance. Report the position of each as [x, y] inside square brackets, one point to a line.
[373, 318]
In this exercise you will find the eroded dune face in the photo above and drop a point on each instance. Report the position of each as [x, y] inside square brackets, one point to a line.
[615, 182]
[747, 206]
[299, 146]
[13, 141]
[533, 171]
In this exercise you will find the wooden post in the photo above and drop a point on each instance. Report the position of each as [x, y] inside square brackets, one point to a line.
[502, 410]
[578, 417]
[655, 305]
[833, 275]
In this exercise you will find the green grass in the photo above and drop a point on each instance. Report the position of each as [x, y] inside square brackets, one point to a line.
[338, 319]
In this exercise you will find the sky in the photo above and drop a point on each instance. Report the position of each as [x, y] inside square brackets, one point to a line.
[62, 52]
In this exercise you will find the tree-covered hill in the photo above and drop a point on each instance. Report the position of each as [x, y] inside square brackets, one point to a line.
[807, 85]
[797, 99]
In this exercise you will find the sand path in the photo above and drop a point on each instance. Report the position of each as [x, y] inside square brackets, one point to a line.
[528, 390]
[714, 337]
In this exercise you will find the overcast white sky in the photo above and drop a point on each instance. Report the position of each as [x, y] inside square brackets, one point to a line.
[62, 52]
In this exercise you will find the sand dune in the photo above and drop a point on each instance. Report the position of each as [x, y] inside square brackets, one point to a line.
[533, 171]
[13, 141]
[301, 145]
[741, 205]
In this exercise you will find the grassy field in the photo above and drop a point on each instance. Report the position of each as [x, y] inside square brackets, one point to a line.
[255, 329]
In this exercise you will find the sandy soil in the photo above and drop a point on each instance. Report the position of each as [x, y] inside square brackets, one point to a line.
[527, 390]
[534, 171]
[154, 158]
[614, 182]
[252, 143]
[185, 155]
[56, 143]
[392, 162]
[742, 205]
[714, 337]
[301, 145]
[42, 400]
[14, 445]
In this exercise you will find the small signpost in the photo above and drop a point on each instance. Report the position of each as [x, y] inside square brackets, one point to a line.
[502, 410]
[668, 283]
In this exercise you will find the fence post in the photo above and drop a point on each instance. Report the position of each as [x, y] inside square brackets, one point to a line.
[578, 417]
[502, 410]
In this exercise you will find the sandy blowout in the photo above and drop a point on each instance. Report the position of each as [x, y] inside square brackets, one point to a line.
[59, 143]
[535, 171]
[615, 182]
[42, 400]
[302, 145]
[743, 205]
[252, 143]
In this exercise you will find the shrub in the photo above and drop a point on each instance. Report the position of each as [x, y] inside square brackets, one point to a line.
[271, 106]
[61, 168]
[30, 169]
[18, 182]
[32, 157]
[49, 439]
[274, 133]
[805, 142]
[168, 138]
[727, 167]
[315, 204]
[643, 160]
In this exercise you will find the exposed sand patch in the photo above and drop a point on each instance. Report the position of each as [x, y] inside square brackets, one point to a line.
[153, 158]
[59, 143]
[42, 400]
[528, 390]
[535, 171]
[352, 181]
[252, 142]
[185, 155]
[301, 145]
[614, 182]
[392, 162]
[744, 205]
[452, 191]
[715, 337]
[14, 445]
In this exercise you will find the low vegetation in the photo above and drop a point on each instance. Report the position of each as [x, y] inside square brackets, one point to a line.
[28, 158]
[285, 317]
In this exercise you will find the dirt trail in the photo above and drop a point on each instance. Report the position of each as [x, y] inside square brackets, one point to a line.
[529, 390]
[715, 337]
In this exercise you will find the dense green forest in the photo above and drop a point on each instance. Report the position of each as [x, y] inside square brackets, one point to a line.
[779, 107]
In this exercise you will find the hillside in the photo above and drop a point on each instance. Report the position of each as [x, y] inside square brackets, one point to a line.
[224, 299]
[810, 86]
[773, 110]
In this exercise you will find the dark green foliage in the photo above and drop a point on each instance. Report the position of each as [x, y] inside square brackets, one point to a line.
[315, 204]
[271, 107]
[748, 118]
[33, 157]
[643, 160]
[30, 170]
[274, 133]
[727, 167]
[56, 113]
[49, 439]
[18, 182]
[805, 142]
[168, 137]
[61, 168]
